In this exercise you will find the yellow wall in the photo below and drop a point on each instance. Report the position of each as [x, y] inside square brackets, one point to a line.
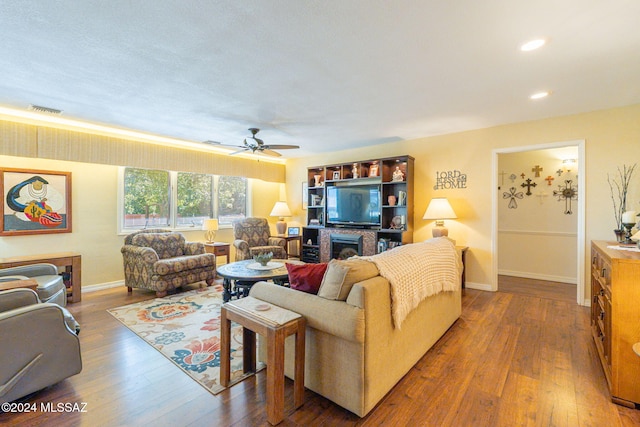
[612, 139]
[94, 222]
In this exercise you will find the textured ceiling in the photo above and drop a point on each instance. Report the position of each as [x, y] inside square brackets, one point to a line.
[325, 75]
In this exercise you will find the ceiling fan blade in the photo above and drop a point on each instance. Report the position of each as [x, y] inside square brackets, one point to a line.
[239, 151]
[281, 147]
[220, 144]
[269, 152]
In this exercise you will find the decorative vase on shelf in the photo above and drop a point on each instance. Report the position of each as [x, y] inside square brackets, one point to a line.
[619, 235]
[317, 182]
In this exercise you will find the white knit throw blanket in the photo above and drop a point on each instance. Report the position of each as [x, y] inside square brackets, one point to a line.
[417, 271]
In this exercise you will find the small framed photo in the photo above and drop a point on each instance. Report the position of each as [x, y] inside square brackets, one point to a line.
[293, 231]
[336, 175]
[373, 170]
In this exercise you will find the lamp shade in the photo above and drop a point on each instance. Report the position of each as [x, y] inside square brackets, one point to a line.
[280, 209]
[210, 224]
[439, 208]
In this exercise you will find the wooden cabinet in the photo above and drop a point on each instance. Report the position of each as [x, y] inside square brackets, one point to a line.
[615, 318]
[393, 179]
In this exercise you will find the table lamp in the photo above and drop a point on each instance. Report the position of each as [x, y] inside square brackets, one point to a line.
[439, 209]
[210, 226]
[281, 209]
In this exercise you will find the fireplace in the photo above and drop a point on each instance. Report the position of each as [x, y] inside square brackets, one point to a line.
[343, 246]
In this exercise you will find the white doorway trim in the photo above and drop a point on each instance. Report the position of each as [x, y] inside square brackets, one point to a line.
[580, 274]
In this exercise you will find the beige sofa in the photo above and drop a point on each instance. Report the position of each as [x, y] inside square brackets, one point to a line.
[354, 355]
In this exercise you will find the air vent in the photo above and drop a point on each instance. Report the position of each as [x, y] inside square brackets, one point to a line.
[47, 110]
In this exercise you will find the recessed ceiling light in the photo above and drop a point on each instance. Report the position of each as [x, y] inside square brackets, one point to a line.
[540, 95]
[532, 45]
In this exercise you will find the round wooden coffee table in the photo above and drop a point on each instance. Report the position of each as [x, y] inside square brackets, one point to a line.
[238, 277]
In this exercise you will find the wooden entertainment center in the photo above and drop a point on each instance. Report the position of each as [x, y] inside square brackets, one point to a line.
[388, 214]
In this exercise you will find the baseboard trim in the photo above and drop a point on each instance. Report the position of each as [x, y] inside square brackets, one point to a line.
[102, 286]
[536, 276]
[478, 286]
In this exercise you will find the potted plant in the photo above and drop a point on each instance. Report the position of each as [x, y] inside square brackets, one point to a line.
[619, 186]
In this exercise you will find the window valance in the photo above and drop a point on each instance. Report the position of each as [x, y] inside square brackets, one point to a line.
[26, 140]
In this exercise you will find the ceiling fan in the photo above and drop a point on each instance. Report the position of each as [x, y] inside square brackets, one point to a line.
[256, 145]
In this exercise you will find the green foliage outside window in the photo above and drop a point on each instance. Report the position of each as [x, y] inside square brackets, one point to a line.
[148, 199]
[195, 195]
[232, 198]
[146, 192]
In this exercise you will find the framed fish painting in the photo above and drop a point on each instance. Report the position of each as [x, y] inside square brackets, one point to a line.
[35, 202]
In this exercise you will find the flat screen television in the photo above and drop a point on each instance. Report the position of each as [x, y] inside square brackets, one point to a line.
[353, 205]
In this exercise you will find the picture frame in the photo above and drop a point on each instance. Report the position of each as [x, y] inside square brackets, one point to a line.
[373, 170]
[293, 231]
[305, 195]
[336, 175]
[34, 202]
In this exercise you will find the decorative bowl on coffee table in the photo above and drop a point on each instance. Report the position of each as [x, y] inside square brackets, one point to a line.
[263, 259]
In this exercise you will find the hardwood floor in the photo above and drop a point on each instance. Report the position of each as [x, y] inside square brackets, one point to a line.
[509, 360]
[538, 288]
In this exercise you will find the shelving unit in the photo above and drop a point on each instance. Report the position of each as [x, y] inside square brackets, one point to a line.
[615, 318]
[310, 244]
[393, 175]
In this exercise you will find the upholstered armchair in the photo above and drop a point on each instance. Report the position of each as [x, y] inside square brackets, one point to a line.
[50, 288]
[253, 236]
[40, 346]
[161, 260]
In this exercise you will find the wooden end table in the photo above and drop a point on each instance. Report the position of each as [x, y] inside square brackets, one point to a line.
[16, 284]
[275, 324]
[292, 238]
[463, 255]
[219, 249]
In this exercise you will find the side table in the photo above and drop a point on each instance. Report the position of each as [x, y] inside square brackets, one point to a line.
[463, 255]
[16, 284]
[218, 249]
[292, 238]
[275, 324]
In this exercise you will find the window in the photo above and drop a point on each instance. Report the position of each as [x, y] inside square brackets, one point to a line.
[232, 199]
[147, 199]
[195, 199]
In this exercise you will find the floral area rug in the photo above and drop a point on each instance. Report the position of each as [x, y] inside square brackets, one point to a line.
[186, 329]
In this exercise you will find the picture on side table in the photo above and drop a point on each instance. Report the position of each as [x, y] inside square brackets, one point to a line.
[35, 202]
[293, 231]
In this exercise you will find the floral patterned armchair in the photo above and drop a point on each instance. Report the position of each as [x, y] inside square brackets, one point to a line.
[162, 260]
[253, 236]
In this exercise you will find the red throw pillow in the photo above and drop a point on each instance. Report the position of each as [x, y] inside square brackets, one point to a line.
[306, 277]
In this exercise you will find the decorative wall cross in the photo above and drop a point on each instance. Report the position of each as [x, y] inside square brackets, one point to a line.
[541, 195]
[537, 169]
[513, 177]
[528, 184]
[549, 179]
[512, 196]
[559, 172]
[502, 174]
[522, 175]
[568, 193]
